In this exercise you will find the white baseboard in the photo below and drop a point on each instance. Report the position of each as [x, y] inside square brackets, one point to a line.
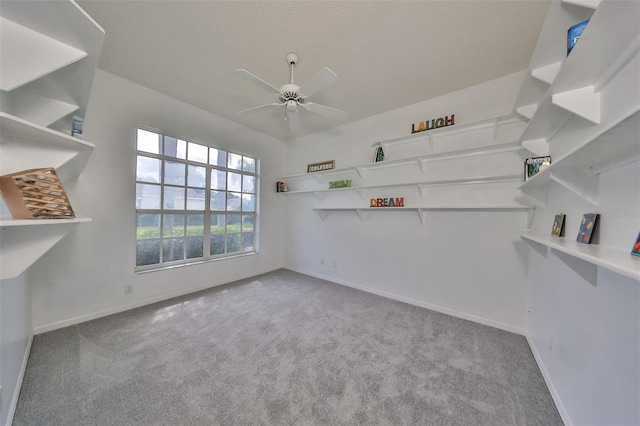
[18, 386]
[426, 305]
[547, 379]
[140, 303]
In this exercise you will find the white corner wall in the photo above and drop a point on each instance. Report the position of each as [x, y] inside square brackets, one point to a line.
[469, 264]
[85, 275]
[16, 333]
[586, 338]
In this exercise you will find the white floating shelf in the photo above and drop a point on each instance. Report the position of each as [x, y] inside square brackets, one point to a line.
[578, 170]
[591, 4]
[362, 211]
[548, 73]
[23, 241]
[28, 55]
[583, 102]
[616, 260]
[527, 111]
[24, 145]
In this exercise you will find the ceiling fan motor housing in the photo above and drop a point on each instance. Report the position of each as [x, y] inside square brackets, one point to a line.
[290, 92]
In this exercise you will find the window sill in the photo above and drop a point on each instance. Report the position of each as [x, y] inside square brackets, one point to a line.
[161, 267]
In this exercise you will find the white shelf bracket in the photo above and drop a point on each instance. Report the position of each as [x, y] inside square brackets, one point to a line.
[430, 139]
[538, 196]
[539, 147]
[530, 214]
[587, 270]
[421, 190]
[422, 164]
[361, 171]
[583, 102]
[582, 183]
[546, 74]
[421, 215]
[527, 111]
[542, 249]
[319, 177]
[360, 192]
[322, 214]
[495, 129]
[590, 4]
[320, 195]
[361, 213]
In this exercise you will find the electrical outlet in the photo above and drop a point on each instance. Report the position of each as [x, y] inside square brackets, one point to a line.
[128, 289]
[335, 264]
[551, 342]
[321, 262]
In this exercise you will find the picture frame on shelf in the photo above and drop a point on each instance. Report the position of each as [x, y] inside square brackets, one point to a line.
[534, 165]
[557, 230]
[379, 155]
[635, 250]
[587, 227]
[321, 166]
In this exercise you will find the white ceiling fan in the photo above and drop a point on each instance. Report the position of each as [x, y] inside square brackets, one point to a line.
[292, 96]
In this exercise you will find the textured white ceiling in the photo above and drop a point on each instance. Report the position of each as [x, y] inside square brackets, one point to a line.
[386, 54]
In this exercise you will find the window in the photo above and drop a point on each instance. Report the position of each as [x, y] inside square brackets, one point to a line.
[193, 202]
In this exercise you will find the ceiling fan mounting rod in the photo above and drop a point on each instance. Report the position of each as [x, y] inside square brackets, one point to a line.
[292, 61]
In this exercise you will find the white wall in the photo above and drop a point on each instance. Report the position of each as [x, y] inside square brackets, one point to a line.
[586, 337]
[85, 274]
[15, 339]
[470, 264]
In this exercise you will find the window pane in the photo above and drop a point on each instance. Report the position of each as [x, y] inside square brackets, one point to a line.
[196, 176]
[198, 152]
[235, 161]
[248, 184]
[234, 243]
[196, 199]
[147, 196]
[147, 226]
[234, 181]
[172, 249]
[247, 241]
[218, 179]
[217, 157]
[172, 225]
[194, 247]
[247, 222]
[195, 224]
[218, 200]
[233, 223]
[218, 223]
[176, 148]
[217, 244]
[174, 173]
[248, 204]
[173, 198]
[148, 141]
[148, 169]
[233, 201]
[249, 164]
[147, 252]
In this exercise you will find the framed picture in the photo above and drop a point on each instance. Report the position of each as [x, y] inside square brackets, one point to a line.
[320, 167]
[587, 225]
[379, 155]
[532, 166]
[557, 230]
[635, 250]
[574, 33]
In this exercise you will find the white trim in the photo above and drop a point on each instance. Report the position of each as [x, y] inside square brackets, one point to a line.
[564, 414]
[436, 308]
[18, 386]
[123, 308]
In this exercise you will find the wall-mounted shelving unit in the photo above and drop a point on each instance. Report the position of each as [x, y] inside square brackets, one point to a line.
[50, 52]
[589, 256]
[466, 145]
[421, 211]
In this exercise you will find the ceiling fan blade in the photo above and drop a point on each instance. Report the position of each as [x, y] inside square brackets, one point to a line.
[260, 108]
[318, 82]
[327, 111]
[293, 116]
[257, 81]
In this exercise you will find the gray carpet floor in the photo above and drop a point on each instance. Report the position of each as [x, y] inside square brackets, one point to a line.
[282, 349]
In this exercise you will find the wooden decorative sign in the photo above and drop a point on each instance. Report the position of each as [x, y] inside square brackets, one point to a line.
[433, 124]
[387, 202]
[340, 184]
[320, 167]
[36, 194]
